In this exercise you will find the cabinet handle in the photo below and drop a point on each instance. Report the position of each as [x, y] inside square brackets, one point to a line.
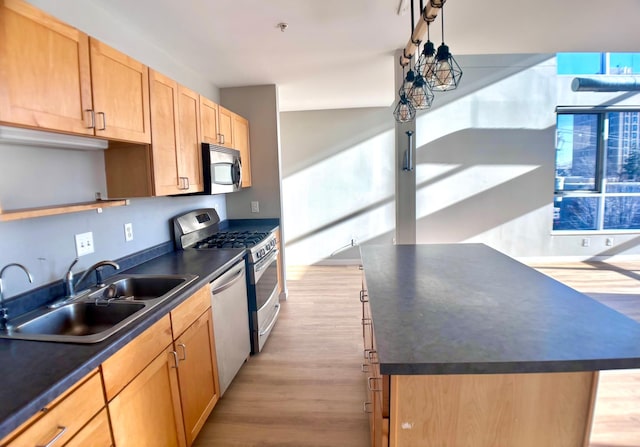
[371, 387]
[104, 120]
[365, 368]
[366, 321]
[187, 183]
[175, 359]
[363, 295]
[364, 407]
[60, 432]
[221, 135]
[93, 118]
[184, 351]
[366, 353]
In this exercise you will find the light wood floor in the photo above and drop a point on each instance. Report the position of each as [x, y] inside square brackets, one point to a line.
[306, 389]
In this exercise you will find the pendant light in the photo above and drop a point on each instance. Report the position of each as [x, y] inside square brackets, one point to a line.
[447, 72]
[404, 111]
[421, 95]
[427, 61]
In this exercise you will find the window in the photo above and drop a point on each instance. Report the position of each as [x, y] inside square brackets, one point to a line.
[598, 63]
[597, 185]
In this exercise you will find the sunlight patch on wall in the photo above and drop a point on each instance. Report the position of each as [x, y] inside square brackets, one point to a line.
[346, 196]
[514, 102]
[430, 171]
[463, 185]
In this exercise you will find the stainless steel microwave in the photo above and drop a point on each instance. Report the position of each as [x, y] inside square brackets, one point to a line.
[222, 169]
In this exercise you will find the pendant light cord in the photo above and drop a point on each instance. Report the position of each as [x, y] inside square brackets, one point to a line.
[441, 22]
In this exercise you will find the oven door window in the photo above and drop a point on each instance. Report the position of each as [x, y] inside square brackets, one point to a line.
[222, 173]
[267, 283]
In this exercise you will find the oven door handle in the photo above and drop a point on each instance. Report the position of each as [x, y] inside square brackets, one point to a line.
[265, 262]
[273, 321]
[226, 285]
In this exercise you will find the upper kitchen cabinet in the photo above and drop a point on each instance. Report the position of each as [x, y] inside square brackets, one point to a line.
[45, 73]
[173, 162]
[225, 127]
[240, 130]
[209, 120]
[54, 77]
[120, 88]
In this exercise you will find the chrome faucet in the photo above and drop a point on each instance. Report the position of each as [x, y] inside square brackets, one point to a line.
[4, 316]
[69, 283]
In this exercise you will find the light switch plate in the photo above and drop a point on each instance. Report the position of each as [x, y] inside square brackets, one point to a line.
[255, 207]
[84, 244]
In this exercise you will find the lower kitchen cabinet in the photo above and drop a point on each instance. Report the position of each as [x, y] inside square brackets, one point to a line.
[378, 386]
[66, 417]
[96, 433]
[197, 374]
[163, 385]
[147, 411]
[192, 324]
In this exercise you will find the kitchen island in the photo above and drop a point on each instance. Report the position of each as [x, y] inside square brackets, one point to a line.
[465, 346]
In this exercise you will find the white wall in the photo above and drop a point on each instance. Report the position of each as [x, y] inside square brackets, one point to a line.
[338, 182]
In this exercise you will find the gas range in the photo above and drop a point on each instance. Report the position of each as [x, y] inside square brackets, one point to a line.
[199, 229]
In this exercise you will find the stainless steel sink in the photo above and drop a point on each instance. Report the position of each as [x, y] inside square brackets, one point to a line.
[139, 287]
[97, 314]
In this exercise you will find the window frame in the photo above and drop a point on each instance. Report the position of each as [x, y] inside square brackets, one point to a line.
[600, 188]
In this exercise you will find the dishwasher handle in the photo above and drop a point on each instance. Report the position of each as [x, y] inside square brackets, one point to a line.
[219, 288]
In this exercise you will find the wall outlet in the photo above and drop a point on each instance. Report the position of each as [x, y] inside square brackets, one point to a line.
[255, 207]
[84, 244]
[586, 242]
[609, 242]
[128, 232]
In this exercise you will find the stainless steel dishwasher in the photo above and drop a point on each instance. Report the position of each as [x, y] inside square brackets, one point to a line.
[230, 322]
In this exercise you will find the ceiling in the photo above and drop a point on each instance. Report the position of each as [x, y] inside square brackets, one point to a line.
[340, 53]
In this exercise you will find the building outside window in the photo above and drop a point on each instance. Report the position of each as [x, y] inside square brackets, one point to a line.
[597, 183]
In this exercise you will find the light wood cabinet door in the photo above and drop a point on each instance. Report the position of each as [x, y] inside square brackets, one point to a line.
[225, 127]
[45, 75]
[209, 121]
[197, 374]
[164, 127]
[120, 87]
[190, 154]
[97, 433]
[241, 143]
[63, 418]
[148, 411]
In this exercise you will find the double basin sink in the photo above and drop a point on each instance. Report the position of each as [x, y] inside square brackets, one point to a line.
[100, 312]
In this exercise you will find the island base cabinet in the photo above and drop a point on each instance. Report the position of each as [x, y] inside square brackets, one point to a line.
[486, 410]
[148, 409]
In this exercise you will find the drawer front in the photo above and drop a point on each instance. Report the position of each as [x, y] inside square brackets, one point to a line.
[186, 313]
[120, 369]
[66, 418]
[96, 433]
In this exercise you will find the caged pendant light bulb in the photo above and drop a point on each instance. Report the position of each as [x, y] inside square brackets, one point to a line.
[404, 111]
[420, 94]
[447, 72]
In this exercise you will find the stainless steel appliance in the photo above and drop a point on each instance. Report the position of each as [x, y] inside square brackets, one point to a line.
[231, 330]
[222, 169]
[199, 230]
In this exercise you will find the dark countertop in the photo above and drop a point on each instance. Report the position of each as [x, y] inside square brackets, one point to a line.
[34, 373]
[469, 309]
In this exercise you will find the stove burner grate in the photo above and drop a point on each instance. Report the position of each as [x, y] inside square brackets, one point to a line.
[232, 239]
